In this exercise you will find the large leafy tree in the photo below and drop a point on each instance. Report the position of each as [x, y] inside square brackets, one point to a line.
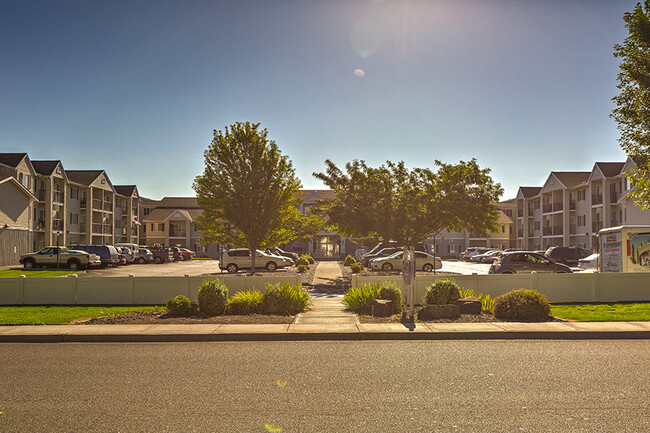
[632, 112]
[392, 202]
[248, 192]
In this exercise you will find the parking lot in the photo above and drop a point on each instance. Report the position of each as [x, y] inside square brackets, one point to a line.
[190, 267]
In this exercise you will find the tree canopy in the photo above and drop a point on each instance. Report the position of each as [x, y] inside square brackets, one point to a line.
[632, 112]
[249, 191]
[408, 206]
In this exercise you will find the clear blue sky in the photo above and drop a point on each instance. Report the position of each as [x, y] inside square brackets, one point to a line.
[137, 87]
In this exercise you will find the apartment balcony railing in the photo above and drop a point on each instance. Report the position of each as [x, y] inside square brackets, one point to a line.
[557, 206]
[596, 199]
[547, 207]
[572, 205]
[475, 235]
[40, 225]
[57, 224]
[520, 233]
[82, 203]
[134, 231]
[520, 211]
[182, 233]
[97, 228]
[530, 212]
[57, 197]
[107, 229]
[596, 226]
[108, 206]
[558, 230]
[97, 204]
[530, 234]
[82, 228]
[613, 197]
[547, 231]
[41, 195]
[614, 223]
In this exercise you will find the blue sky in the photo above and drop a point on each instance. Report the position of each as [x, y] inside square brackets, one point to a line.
[137, 87]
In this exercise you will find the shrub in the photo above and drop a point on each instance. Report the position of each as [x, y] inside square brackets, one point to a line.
[361, 299]
[349, 260]
[389, 290]
[302, 261]
[181, 306]
[356, 268]
[309, 258]
[523, 305]
[442, 292]
[247, 302]
[303, 268]
[213, 295]
[284, 299]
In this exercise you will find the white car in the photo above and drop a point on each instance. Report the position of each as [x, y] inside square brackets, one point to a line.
[589, 262]
[423, 261]
[239, 258]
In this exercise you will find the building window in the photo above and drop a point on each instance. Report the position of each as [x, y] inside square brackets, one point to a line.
[74, 218]
[537, 225]
[74, 193]
[582, 220]
[582, 194]
[24, 180]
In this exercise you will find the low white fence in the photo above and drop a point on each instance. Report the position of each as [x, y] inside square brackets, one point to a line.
[578, 287]
[73, 290]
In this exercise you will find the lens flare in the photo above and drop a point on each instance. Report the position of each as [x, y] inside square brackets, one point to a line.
[359, 73]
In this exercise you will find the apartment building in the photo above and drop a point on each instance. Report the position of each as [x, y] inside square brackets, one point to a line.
[571, 207]
[55, 206]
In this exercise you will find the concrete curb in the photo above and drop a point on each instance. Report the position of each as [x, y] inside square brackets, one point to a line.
[358, 332]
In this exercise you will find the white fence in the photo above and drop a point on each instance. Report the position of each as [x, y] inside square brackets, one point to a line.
[73, 290]
[578, 287]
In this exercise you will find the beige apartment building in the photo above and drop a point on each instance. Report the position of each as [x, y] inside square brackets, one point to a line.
[571, 207]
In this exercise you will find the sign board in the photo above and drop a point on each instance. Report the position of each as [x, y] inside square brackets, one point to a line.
[611, 252]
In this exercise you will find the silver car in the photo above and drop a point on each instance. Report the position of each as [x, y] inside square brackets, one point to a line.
[522, 262]
[240, 258]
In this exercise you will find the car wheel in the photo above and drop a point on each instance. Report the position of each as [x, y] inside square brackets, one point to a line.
[141, 260]
[387, 267]
[29, 264]
[428, 267]
[157, 260]
[73, 265]
[507, 272]
[232, 268]
[560, 272]
[271, 266]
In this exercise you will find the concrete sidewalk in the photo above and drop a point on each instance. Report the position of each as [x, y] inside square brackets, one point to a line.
[306, 331]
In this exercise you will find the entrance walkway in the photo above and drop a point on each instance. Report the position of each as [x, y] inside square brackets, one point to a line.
[326, 302]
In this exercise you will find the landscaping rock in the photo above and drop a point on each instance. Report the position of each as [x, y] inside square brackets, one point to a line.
[469, 305]
[434, 312]
[382, 308]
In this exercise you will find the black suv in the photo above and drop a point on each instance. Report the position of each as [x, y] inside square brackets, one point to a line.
[524, 262]
[567, 255]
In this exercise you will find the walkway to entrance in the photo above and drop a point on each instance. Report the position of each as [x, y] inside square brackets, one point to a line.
[326, 298]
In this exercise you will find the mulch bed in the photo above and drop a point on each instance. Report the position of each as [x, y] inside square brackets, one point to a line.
[146, 318]
[484, 317]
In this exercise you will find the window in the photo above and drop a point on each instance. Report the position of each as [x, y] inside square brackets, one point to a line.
[161, 227]
[74, 218]
[537, 224]
[536, 204]
[24, 180]
[582, 220]
[582, 194]
[74, 193]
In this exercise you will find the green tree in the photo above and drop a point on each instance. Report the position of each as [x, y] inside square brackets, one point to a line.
[392, 202]
[249, 192]
[632, 112]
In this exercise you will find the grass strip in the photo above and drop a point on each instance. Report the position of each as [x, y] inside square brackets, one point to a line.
[13, 273]
[603, 312]
[63, 314]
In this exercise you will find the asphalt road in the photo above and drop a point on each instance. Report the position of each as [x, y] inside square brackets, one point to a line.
[447, 386]
[190, 267]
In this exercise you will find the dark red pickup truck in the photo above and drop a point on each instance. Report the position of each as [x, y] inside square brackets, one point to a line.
[162, 254]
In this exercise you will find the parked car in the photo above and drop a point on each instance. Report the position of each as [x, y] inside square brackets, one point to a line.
[143, 255]
[107, 253]
[567, 255]
[489, 257]
[128, 254]
[186, 254]
[589, 262]
[161, 254]
[239, 258]
[367, 261]
[280, 252]
[521, 262]
[383, 245]
[423, 261]
[59, 256]
[473, 251]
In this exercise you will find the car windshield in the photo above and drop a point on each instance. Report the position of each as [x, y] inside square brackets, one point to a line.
[397, 255]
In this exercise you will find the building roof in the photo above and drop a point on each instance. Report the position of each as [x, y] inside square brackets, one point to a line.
[571, 178]
[158, 215]
[126, 190]
[610, 169]
[11, 159]
[178, 203]
[46, 168]
[84, 177]
[13, 181]
[530, 191]
[323, 194]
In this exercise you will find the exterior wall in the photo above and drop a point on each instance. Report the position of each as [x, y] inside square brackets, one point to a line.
[15, 223]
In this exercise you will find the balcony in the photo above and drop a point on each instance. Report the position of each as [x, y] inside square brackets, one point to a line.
[613, 197]
[520, 233]
[520, 211]
[57, 224]
[476, 235]
[97, 204]
[82, 203]
[596, 199]
[572, 229]
[40, 225]
[547, 231]
[82, 228]
[182, 233]
[97, 228]
[596, 226]
[41, 195]
[57, 197]
[108, 206]
[107, 229]
[547, 207]
[572, 205]
[614, 223]
[557, 206]
[530, 212]
[530, 234]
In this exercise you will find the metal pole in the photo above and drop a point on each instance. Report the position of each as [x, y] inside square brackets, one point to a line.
[412, 285]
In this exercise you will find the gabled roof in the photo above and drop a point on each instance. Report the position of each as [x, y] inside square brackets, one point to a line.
[162, 215]
[126, 190]
[530, 191]
[84, 177]
[178, 203]
[11, 159]
[322, 194]
[571, 178]
[610, 169]
[46, 168]
[24, 190]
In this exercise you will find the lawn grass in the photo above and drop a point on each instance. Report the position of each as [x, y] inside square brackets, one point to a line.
[9, 273]
[619, 312]
[62, 314]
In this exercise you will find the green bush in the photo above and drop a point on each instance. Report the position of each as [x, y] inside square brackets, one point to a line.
[247, 302]
[349, 260]
[522, 305]
[302, 261]
[309, 258]
[361, 299]
[181, 306]
[356, 268]
[442, 292]
[389, 290]
[303, 268]
[213, 295]
[284, 299]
